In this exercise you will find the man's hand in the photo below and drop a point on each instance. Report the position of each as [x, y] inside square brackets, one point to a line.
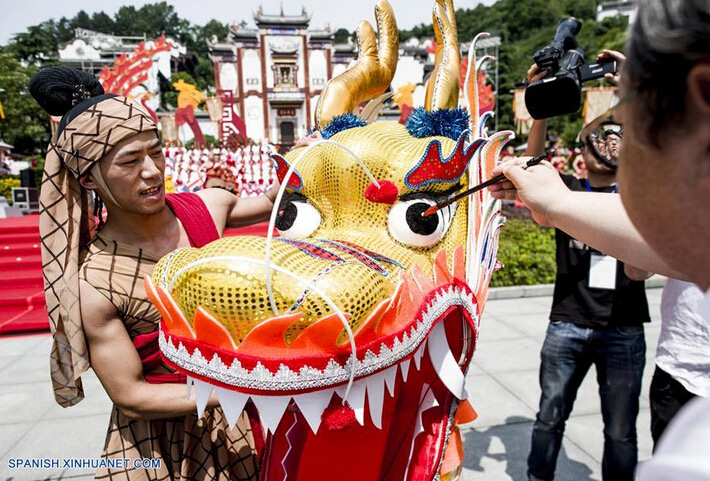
[534, 74]
[273, 192]
[308, 140]
[538, 132]
[539, 187]
[619, 57]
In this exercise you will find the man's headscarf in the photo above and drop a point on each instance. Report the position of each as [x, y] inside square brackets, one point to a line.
[86, 138]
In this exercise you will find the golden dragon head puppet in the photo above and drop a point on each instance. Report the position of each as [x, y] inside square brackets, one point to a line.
[352, 331]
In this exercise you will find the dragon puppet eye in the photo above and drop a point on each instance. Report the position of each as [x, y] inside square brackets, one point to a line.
[407, 225]
[296, 217]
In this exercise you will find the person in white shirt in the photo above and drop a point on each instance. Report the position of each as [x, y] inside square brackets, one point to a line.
[683, 354]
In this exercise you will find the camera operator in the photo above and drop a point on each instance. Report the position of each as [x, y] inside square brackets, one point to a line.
[597, 318]
[664, 182]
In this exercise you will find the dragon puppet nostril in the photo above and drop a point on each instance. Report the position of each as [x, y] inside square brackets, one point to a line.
[386, 193]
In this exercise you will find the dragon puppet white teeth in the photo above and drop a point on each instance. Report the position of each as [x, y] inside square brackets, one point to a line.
[313, 404]
[429, 331]
[444, 363]
[232, 403]
[409, 344]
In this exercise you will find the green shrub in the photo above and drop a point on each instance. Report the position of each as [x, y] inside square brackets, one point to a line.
[211, 142]
[6, 185]
[528, 253]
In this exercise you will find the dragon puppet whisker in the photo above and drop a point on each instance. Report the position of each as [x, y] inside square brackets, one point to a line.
[277, 204]
[310, 285]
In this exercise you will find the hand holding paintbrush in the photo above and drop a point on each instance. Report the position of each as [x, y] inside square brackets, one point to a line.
[498, 178]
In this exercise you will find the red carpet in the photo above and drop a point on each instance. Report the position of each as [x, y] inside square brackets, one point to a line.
[21, 294]
[22, 307]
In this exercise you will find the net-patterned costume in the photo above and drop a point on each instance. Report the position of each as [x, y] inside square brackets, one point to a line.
[190, 448]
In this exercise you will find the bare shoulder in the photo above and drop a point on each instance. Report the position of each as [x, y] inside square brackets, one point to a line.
[218, 201]
[96, 310]
[215, 197]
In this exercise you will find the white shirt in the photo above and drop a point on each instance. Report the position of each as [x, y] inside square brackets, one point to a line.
[684, 343]
[683, 452]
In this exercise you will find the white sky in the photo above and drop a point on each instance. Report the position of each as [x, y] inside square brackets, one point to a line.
[17, 15]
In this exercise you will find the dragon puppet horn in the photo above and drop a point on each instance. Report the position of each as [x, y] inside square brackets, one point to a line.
[371, 74]
[442, 88]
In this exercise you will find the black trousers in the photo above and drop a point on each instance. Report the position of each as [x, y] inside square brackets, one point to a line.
[666, 396]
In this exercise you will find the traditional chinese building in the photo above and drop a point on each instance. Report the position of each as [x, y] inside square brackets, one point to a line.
[276, 72]
[90, 50]
[627, 8]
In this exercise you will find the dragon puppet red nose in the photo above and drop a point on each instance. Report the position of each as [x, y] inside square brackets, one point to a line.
[385, 193]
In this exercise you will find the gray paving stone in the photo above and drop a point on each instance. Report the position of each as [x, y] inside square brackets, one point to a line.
[68, 475]
[499, 453]
[96, 401]
[511, 292]
[533, 326]
[22, 403]
[474, 369]
[509, 355]
[27, 474]
[16, 346]
[508, 307]
[11, 433]
[6, 361]
[539, 290]
[493, 402]
[57, 438]
[26, 369]
[495, 329]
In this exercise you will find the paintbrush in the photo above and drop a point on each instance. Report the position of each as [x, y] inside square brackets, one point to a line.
[498, 178]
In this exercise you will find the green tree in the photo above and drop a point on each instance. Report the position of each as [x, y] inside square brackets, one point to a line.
[204, 74]
[152, 20]
[341, 36]
[170, 96]
[82, 20]
[215, 28]
[63, 30]
[26, 125]
[100, 22]
[37, 43]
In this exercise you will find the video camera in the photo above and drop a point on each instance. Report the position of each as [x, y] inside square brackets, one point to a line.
[560, 91]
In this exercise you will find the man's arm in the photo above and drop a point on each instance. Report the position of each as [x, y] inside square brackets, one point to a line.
[228, 210]
[538, 131]
[636, 274]
[599, 220]
[115, 361]
[536, 138]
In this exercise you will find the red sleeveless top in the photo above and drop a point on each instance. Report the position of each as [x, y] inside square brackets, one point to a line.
[192, 212]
